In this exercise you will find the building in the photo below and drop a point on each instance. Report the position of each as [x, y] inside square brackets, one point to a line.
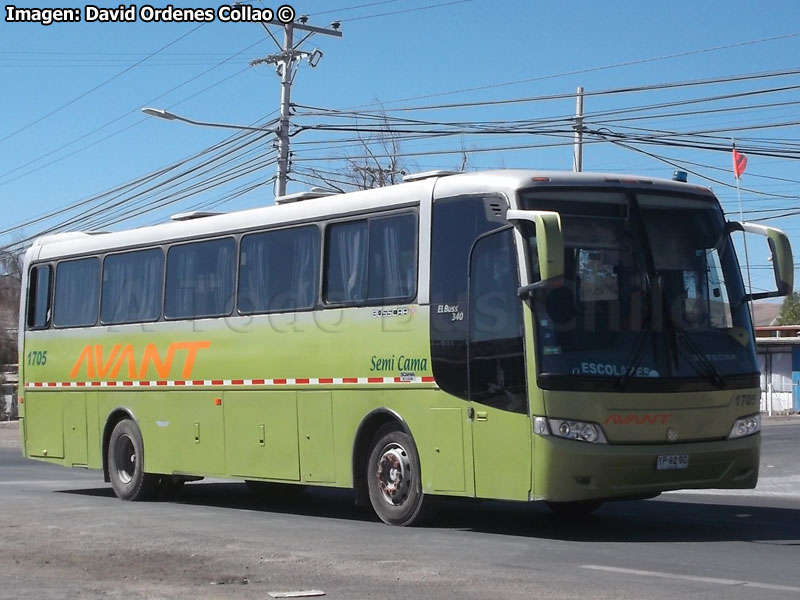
[778, 349]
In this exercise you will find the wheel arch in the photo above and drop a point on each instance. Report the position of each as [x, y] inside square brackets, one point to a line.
[115, 416]
[365, 433]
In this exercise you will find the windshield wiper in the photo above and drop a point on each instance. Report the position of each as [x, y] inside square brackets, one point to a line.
[634, 356]
[696, 354]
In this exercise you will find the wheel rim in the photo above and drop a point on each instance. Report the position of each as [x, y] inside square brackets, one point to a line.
[125, 459]
[394, 474]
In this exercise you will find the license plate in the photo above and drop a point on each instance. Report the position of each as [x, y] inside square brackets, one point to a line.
[672, 461]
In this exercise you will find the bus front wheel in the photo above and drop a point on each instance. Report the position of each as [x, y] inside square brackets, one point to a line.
[126, 464]
[394, 479]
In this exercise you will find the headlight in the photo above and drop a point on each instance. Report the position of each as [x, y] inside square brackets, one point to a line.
[571, 430]
[745, 426]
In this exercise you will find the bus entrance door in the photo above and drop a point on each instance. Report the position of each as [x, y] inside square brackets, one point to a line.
[498, 410]
[501, 454]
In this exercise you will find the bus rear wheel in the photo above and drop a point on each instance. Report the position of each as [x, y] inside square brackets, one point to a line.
[126, 464]
[394, 479]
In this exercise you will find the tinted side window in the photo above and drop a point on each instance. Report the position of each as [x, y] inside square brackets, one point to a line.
[496, 350]
[278, 270]
[77, 293]
[457, 223]
[200, 279]
[39, 289]
[132, 287]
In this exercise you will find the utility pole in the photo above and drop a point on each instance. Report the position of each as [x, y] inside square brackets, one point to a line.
[577, 147]
[286, 68]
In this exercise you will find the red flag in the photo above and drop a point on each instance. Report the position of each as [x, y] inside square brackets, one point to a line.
[739, 163]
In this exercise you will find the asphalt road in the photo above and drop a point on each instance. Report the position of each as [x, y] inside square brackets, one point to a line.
[64, 535]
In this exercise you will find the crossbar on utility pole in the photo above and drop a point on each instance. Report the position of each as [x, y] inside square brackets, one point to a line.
[285, 64]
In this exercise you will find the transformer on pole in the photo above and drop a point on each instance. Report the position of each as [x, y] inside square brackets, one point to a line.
[285, 66]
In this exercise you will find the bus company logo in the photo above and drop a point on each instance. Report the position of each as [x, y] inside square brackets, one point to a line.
[386, 313]
[99, 365]
[407, 365]
[635, 419]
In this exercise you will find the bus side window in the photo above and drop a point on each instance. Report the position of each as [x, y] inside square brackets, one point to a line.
[131, 290]
[496, 350]
[278, 270]
[77, 293]
[371, 261]
[457, 223]
[392, 258]
[200, 278]
[346, 262]
[39, 292]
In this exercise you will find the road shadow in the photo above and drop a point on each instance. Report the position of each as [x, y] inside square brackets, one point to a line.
[288, 499]
[667, 519]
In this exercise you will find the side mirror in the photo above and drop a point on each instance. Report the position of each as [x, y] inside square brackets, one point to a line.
[782, 261]
[549, 246]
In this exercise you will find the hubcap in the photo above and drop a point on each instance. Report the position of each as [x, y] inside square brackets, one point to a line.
[394, 474]
[125, 459]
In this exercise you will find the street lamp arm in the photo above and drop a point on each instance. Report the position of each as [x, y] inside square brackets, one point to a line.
[164, 114]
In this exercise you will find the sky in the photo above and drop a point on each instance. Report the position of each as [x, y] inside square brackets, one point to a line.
[465, 84]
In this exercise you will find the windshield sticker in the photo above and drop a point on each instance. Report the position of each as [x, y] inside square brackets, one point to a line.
[589, 368]
[551, 350]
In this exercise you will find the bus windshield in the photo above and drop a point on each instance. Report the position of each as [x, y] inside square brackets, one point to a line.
[652, 291]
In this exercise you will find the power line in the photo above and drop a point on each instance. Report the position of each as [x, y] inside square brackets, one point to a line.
[97, 87]
[590, 69]
[407, 10]
[136, 111]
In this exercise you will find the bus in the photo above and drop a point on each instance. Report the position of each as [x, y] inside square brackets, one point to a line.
[518, 335]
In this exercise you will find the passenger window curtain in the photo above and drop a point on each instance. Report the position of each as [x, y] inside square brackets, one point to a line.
[254, 274]
[392, 257]
[347, 262]
[221, 279]
[77, 293]
[132, 287]
[200, 279]
[279, 270]
[305, 253]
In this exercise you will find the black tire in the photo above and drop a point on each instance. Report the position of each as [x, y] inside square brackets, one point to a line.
[574, 509]
[394, 479]
[126, 464]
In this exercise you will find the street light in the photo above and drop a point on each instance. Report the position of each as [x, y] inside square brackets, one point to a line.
[165, 114]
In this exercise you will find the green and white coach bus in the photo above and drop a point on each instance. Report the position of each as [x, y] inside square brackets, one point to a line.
[516, 335]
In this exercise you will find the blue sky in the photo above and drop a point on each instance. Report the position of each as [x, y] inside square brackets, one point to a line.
[70, 97]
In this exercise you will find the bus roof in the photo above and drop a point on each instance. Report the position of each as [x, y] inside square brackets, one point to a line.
[404, 194]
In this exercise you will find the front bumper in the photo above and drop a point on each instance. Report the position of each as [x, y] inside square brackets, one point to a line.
[566, 470]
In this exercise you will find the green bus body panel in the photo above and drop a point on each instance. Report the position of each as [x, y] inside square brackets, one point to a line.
[261, 434]
[75, 442]
[213, 427]
[183, 431]
[502, 453]
[447, 438]
[315, 412]
[44, 420]
[94, 431]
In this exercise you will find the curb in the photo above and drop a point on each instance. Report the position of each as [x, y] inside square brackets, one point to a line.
[9, 424]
